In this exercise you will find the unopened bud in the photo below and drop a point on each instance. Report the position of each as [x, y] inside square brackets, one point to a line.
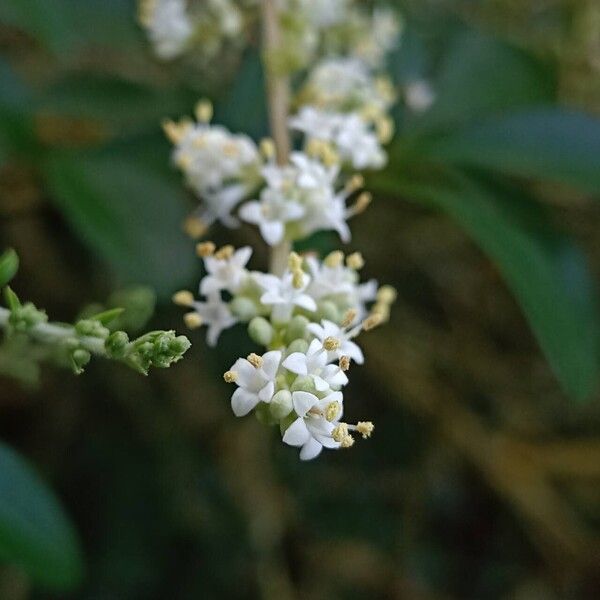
[243, 308]
[281, 404]
[261, 331]
[116, 344]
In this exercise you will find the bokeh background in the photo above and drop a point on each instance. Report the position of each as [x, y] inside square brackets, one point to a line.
[482, 478]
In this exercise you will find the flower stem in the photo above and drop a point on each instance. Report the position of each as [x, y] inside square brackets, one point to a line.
[278, 99]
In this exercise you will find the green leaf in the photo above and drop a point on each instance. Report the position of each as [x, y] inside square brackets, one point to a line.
[34, 532]
[481, 75]
[128, 213]
[546, 144]
[12, 300]
[108, 316]
[545, 271]
[9, 265]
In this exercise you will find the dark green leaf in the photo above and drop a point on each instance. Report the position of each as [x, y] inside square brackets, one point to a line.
[547, 144]
[129, 214]
[34, 532]
[9, 265]
[545, 270]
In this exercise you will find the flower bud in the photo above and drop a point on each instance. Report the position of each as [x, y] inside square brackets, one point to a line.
[91, 328]
[261, 331]
[299, 345]
[304, 383]
[243, 308]
[281, 405]
[80, 358]
[296, 328]
[116, 344]
[328, 310]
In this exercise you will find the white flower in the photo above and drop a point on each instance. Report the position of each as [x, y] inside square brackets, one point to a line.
[225, 273]
[351, 135]
[323, 14]
[271, 214]
[256, 382]
[337, 280]
[381, 36]
[216, 315]
[168, 25]
[312, 430]
[314, 364]
[219, 166]
[344, 335]
[281, 293]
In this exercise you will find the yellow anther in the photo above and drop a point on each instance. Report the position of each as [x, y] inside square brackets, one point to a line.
[267, 148]
[347, 441]
[372, 321]
[230, 150]
[365, 428]
[294, 261]
[204, 111]
[362, 202]
[382, 310]
[225, 252]
[340, 432]
[175, 131]
[194, 227]
[183, 298]
[387, 294]
[255, 360]
[385, 129]
[230, 376]
[298, 279]
[192, 320]
[344, 363]
[334, 259]
[349, 317]
[331, 343]
[355, 261]
[385, 88]
[204, 249]
[356, 182]
[332, 411]
[183, 161]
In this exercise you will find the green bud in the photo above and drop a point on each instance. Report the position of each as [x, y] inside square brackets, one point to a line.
[287, 421]
[297, 346]
[80, 358]
[263, 414]
[281, 405]
[179, 346]
[243, 308]
[23, 317]
[91, 328]
[304, 383]
[9, 265]
[296, 328]
[260, 331]
[116, 344]
[328, 310]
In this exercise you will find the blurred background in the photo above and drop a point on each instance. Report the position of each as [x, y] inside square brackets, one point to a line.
[482, 478]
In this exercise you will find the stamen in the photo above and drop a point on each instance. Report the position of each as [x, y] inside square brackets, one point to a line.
[371, 322]
[255, 360]
[204, 111]
[331, 344]
[355, 261]
[382, 310]
[332, 410]
[175, 131]
[340, 432]
[183, 298]
[347, 442]
[365, 428]
[385, 129]
[267, 148]
[194, 227]
[355, 183]
[349, 317]
[344, 363]
[294, 262]
[205, 249]
[225, 252]
[192, 320]
[230, 376]
[387, 294]
[361, 204]
[334, 259]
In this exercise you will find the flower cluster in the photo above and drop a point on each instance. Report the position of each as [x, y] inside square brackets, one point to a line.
[176, 27]
[307, 320]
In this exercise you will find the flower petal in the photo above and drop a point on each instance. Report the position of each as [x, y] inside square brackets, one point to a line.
[296, 363]
[303, 402]
[296, 434]
[311, 449]
[271, 362]
[267, 392]
[242, 402]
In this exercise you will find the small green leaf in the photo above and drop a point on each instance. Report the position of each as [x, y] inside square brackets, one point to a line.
[34, 532]
[12, 300]
[108, 316]
[545, 144]
[546, 272]
[9, 265]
